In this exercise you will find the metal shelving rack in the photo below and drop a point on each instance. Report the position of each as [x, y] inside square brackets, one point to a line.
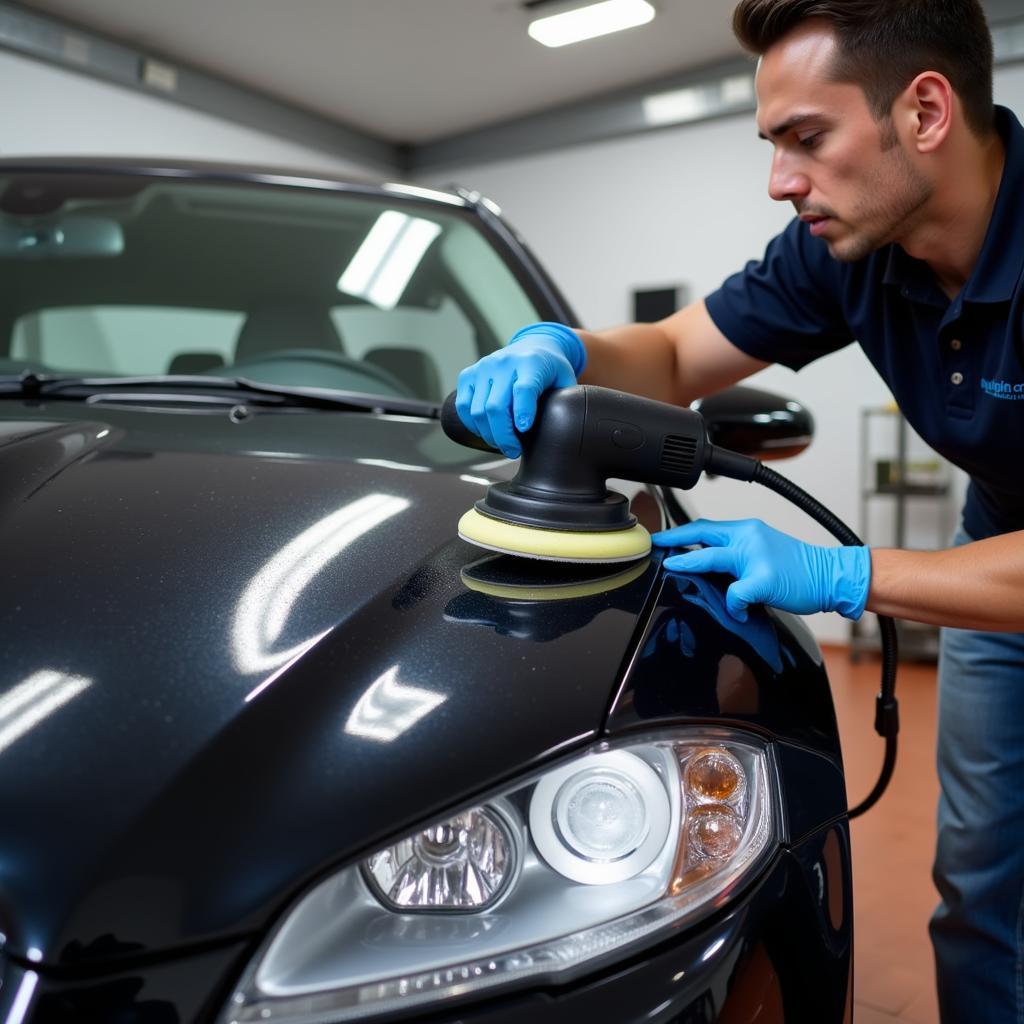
[916, 640]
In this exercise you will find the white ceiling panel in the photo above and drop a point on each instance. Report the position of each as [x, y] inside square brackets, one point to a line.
[407, 71]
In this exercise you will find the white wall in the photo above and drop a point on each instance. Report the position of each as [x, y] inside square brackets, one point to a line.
[49, 112]
[690, 205]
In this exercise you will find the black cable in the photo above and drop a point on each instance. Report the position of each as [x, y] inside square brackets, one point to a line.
[887, 722]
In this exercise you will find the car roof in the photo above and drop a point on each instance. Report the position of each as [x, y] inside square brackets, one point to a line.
[226, 172]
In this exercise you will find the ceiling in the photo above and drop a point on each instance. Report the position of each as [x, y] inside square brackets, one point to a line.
[406, 71]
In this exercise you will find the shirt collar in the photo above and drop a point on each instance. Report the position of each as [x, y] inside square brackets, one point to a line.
[1001, 260]
[998, 269]
[913, 277]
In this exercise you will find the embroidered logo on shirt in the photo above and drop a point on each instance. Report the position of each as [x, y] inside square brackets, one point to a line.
[1003, 389]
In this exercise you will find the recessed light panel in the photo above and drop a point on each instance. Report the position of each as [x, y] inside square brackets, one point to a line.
[591, 21]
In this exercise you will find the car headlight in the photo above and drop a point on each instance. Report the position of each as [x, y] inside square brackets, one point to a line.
[543, 881]
[464, 863]
[601, 819]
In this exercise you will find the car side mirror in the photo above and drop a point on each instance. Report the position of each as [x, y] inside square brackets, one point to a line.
[758, 423]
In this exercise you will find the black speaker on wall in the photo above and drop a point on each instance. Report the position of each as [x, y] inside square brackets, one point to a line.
[650, 304]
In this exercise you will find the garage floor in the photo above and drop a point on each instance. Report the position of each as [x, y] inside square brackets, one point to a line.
[892, 843]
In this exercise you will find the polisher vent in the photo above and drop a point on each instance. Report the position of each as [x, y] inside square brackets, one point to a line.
[678, 453]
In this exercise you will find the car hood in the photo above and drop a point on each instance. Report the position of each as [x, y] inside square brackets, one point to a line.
[240, 652]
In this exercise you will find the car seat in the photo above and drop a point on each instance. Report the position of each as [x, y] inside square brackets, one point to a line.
[413, 367]
[273, 328]
[195, 362]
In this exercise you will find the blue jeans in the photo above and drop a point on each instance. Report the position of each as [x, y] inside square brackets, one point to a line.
[977, 931]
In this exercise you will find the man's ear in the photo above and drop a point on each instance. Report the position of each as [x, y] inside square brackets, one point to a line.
[924, 111]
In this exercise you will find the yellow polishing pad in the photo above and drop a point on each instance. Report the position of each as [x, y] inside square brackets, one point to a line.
[556, 545]
[565, 592]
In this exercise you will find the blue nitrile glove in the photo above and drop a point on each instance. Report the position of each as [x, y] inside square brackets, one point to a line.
[772, 568]
[506, 384]
[756, 630]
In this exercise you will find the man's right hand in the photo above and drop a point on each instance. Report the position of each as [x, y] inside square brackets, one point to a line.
[498, 394]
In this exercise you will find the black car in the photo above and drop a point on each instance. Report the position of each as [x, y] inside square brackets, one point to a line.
[276, 745]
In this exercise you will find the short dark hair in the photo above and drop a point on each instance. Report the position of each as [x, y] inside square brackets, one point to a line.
[884, 44]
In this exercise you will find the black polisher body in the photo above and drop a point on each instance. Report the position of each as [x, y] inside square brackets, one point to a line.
[581, 436]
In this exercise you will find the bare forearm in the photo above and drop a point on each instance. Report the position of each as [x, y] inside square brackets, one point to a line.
[678, 359]
[976, 586]
[638, 358]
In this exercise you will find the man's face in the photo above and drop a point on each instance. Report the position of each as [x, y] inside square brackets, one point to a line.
[845, 173]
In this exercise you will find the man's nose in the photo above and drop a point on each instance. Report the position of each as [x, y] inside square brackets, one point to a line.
[786, 181]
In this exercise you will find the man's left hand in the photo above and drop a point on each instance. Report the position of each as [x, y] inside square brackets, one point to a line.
[772, 568]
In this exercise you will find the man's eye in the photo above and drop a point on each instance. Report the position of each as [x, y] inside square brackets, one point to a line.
[810, 141]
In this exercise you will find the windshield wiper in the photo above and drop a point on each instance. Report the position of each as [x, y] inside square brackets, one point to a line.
[223, 390]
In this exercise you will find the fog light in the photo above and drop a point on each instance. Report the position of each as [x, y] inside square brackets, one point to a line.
[464, 863]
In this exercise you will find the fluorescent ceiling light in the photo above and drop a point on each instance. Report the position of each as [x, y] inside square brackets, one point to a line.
[388, 257]
[591, 21]
[372, 253]
[389, 708]
[738, 89]
[265, 607]
[28, 703]
[672, 107]
[697, 101]
[424, 193]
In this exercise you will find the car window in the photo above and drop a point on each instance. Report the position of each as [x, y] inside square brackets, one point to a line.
[122, 340]
[123, 275]
[444, 335]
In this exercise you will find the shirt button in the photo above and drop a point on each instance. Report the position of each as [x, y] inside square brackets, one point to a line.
[956, 344]
[957, 378]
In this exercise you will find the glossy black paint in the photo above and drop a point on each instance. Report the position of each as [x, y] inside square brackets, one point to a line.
[171, 991]
[756, 422]
[197, 813]
[210, 757]
[226, 607]
[696, 660]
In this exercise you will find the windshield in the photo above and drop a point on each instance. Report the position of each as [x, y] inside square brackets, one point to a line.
[124, 275]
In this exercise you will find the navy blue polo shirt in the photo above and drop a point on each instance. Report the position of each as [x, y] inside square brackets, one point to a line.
[956, 368]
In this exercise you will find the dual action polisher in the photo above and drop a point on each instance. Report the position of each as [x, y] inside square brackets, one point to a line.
[558, 506]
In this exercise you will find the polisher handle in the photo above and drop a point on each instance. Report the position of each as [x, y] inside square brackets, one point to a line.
[452, 425]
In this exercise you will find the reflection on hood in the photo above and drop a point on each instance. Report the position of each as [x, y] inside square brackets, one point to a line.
[268, 599]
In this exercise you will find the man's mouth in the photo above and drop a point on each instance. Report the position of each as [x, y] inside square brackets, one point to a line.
[816, 222]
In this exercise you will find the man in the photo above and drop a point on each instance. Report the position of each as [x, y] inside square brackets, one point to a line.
[909, 191]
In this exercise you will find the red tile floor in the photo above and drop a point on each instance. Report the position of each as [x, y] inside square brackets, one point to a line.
[892, 843]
